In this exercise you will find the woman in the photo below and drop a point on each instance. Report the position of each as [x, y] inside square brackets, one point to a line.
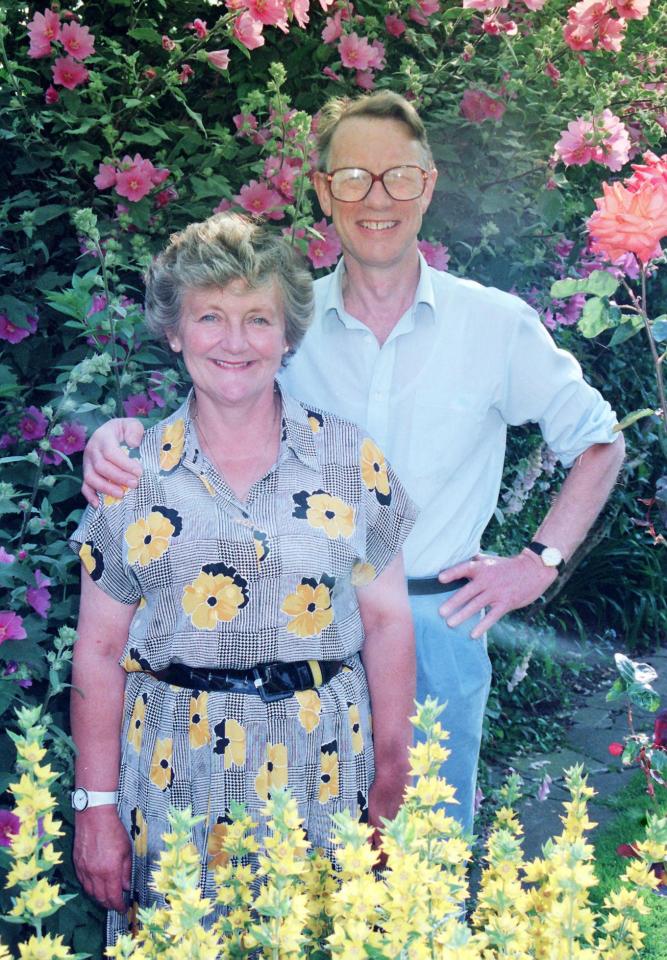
[226, 600]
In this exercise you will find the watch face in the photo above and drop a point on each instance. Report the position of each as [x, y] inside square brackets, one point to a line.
[79, 799]
[551, 556]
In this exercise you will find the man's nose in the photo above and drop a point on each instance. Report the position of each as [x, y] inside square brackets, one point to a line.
[377, 196]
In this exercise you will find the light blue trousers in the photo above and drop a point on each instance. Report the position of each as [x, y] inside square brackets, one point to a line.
[455, 670]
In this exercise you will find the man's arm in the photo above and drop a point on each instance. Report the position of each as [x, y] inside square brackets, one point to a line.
[502, 584]
[106, 466]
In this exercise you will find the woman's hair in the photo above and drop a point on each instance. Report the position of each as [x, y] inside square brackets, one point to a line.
[383, 105]
[213, 253]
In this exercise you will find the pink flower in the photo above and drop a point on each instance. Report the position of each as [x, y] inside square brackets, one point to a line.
[324, 252]
[218, 59]
[632, 9]
[186, 73]
[394, 25]
[615, 749]
[138, 405]
[157, 174]
[39, 596]
[365, 79]
[423, 11]
[199, 27]
[168, 44]
[331, 75]
[629, 221]
[71, 440]
[300, 9]
[245, 123]
[544, 788]
[260, 200]
[355, 52]
[33, 424]
[484, 5]
[377, 61]
[11, 626]
[603, 139]
[97, 304]
[223, 206]
[272, 13]
[6, 441]
[67, 72]
[43, 29]
[435, 254]
[77, 40]
[14, 334]
[552, 71]
[106, 177]
[165, 197]
[155, 384]
[9, 827]
[589, 25]
[333, 28]
[136, 181]
[248, 31]
[478, 106]
[283, 180]
[534, 4]
[6, 557]
[51, 95]
[653, 170]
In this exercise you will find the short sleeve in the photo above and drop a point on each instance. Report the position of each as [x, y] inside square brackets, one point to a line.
[390, 514]
[99, 542]
[545, 385]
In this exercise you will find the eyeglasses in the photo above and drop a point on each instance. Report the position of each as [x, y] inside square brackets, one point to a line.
[350, 184]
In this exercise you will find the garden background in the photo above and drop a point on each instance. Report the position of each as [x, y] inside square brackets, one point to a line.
[124, 120]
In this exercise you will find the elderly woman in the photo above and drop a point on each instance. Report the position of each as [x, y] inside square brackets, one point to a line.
[237, 606]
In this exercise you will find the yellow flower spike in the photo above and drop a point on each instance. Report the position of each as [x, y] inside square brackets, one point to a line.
[45, 947]
[30, 752]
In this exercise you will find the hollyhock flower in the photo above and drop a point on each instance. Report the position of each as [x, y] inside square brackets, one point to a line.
[355, 51]
[629, 221]
[283, 180]
[333, 28]
[394, 25]
[165, 197]
[248, 31]
[9, 827]
[150, 73]
[51, 95]
[71, 440]
[218, 59]
[260, 200]
[483, 5]
[435, 254]
[33, 424]
[106, 176]
[332, 75]
[478, 106]
[300, 10]
[97, 304]
[377, 61]
[603, 139]
[6, 441]
[365, 79]
[610, 34]
[138, 405]
[186, 73]
[39, 596]
[199, 27]
[6, 557]
[324, 252]
[157, 174]
[14, 334]
[223, 206]
[11, 626]
[69, 73]
[168, 44]
[136, 181]
[245, 123]
[632, 9]
[43, 29]
[534, 5]
[552, 72]
[272, 13]
[423, 10]
[77, 40]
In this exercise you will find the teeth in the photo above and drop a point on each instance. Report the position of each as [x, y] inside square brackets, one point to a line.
[231, 364]
[378, 224]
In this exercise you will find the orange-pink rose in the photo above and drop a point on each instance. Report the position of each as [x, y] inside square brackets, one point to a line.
[629, 222]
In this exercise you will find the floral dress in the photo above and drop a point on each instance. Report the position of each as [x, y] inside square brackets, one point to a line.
[224, 583]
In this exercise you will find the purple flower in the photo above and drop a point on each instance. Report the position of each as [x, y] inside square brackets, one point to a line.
[6, 440]
[71, 440]
[544, 788]
[6, 557]
[9, 827]
[138, 405]
[11, 626]
[14, 334]
[97, 304]
[33, 424]
[39, 596]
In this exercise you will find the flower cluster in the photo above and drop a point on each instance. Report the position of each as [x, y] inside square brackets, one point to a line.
[601, 24]
[478, 106]
[77, 41]
[602, 139]
[133, 178]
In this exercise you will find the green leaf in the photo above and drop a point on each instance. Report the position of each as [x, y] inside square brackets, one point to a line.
[48, 212]
[633, 417]
[628, 328]
[630, 753]
[145, 33]
[595, 318]
[634, 672]
[659, 761]
[616, 690]
[644, 696]
[600, 283]
[659, 328]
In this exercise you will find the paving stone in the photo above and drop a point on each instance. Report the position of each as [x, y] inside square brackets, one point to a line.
[594, 716]
[592, 742]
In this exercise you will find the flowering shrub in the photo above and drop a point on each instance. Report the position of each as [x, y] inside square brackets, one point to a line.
[121, 122]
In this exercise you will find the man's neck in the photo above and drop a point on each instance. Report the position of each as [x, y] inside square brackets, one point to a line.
[379, 297]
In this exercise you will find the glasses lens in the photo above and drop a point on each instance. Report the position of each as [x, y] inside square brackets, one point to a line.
[404, 183]
[351, 183]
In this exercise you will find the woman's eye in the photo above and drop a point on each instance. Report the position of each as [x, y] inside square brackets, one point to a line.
[209, 317]
[259, 321]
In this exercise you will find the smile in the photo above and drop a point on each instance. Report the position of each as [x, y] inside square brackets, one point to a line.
[231, 364]
[378, 224]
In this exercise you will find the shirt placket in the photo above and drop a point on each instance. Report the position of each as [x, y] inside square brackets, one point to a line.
[379, 392]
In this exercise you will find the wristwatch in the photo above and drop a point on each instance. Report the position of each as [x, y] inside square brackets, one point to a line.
[82, 798]
[550, 556]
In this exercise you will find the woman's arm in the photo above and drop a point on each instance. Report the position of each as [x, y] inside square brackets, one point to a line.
[102, 851]
[388, 656]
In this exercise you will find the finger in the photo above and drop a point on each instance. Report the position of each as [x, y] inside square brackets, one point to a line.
[112, 461]
[455, 572]
[465, 613]
[493, 616]
[459, 599]
[90, 494]
[132, 431]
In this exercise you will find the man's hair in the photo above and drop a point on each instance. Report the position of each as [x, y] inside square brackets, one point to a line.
[215, 252]
[385, 104]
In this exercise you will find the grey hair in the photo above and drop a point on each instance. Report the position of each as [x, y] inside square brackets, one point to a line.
[384, 105]
[216, 251]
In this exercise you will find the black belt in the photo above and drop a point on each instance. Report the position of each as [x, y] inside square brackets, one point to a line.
[421, 586]
[270, 681]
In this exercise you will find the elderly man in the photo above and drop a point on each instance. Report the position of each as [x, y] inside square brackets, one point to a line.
[435, 368]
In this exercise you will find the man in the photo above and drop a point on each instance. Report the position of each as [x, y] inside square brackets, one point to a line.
[435, 368]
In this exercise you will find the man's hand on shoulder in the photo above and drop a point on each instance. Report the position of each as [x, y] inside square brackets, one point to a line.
[107, 468]
[499, 584]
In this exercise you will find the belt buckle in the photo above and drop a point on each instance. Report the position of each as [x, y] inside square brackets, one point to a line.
[261, 684]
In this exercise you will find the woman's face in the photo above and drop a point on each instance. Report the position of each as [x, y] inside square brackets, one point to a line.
[232, 339]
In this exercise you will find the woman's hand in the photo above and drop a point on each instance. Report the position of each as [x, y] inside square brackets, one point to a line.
[106, 466]
[103, 856]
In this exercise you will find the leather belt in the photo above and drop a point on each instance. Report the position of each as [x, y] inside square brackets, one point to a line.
[422, 586]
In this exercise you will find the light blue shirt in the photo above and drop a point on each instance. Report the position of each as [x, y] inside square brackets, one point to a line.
[462, 363]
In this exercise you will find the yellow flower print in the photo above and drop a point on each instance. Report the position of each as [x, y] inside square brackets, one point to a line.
[230, 742]
[354, 721]
[162, 773]
[134, 662]
[261, 541]
[136, 728]
[328, 772]
[273, 774]
[374, 471]
[133, 922]
[218, 593]
[171, 444]
[110, 501]
[208, 486]
[91, 558]
[199, 731]
[217, 834]
[310, 707]
[315, 419]
[149, 537]
[310, 606]
[323, 511]
[362, 573]
[138, 832]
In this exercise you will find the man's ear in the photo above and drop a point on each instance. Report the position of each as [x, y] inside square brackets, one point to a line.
[427, 195]
[321, 185]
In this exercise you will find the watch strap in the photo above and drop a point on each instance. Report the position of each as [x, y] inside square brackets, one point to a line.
[93, 798]
[538, 548]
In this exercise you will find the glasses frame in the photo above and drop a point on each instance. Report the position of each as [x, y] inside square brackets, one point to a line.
[375, 177]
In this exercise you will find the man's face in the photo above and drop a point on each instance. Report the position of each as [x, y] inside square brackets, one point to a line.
[377, 232]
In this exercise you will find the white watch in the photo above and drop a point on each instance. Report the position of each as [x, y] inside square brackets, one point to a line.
[550, 556]
[82, 798]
